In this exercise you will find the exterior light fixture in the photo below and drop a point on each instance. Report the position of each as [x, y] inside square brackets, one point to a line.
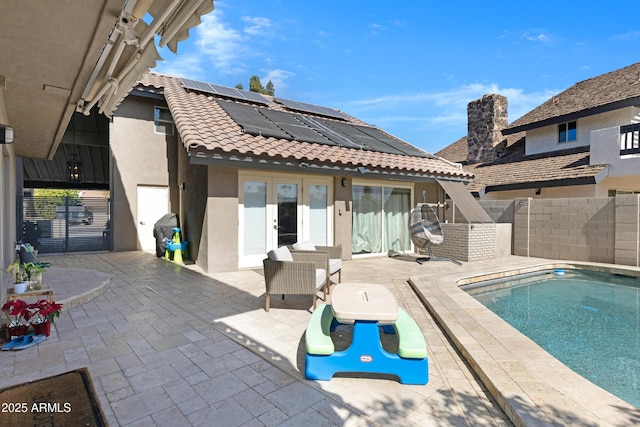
[6, 134]
[74, 171]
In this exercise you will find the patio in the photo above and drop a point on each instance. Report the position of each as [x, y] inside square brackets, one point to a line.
[167, 345]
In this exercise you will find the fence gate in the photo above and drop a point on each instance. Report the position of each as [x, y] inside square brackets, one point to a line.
[64, 224]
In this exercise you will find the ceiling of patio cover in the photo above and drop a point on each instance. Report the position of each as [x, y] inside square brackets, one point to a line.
[465, 202]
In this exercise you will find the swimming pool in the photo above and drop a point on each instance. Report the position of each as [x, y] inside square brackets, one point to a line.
[588, 320]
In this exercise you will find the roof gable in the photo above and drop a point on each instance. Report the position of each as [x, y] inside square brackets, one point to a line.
[617, 89]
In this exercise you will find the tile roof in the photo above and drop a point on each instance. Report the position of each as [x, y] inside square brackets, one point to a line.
[514, 169]
[205, 127]
[587, 97]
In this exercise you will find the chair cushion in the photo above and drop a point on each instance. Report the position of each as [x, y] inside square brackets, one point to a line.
[335, 265]
[321, 277]
[280, 254]
[307, 245]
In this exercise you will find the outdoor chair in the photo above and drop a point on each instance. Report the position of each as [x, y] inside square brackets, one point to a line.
[334, 258]
[288, 273]
[426, 232]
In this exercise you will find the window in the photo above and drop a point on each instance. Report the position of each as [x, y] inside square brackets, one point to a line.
[162, 121]
[567, 132]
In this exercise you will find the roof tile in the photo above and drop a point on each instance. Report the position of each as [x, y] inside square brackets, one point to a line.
[204, 125]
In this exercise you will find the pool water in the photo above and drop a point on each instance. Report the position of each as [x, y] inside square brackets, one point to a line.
[589, 321]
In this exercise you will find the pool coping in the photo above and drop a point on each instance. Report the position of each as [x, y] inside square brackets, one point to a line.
[531, 386]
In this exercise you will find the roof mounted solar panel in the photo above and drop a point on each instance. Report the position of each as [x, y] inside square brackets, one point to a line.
[368, 142]
[224, 91]
[389, 140]
[310, 108]
[296, 128]
[337, 137]
[251, 121]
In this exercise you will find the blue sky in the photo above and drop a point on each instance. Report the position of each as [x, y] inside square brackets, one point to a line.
[410, 67]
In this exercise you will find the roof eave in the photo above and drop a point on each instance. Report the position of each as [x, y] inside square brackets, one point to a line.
[573, 116]
[566, 182]
[294, 165]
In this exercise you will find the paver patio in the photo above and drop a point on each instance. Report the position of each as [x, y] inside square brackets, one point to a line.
[167, 345]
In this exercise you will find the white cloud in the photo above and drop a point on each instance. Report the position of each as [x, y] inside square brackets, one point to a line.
[278, 77]
[446, 108]
[257, 26]
[631, 35]
[221, 45]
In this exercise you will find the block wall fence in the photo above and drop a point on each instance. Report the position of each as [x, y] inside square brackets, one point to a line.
[596, 229]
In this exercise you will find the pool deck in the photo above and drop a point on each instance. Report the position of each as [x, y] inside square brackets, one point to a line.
[168, 345]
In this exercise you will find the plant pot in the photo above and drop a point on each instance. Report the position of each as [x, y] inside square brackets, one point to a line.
[17, 331]
[43, 328]
[35, 284]
[20, 288]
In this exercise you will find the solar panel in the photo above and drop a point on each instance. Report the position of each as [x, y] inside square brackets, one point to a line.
[296, 128]
[251, 121]
[224, 91]
[335, 136]
[366, 141]
[310, 108]
[389, 140]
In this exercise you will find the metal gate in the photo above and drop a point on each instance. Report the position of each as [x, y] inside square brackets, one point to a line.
[64, 224]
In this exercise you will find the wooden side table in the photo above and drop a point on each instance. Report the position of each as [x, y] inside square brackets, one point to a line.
[44, 292]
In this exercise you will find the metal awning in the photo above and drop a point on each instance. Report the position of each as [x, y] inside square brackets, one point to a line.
[130, 50]
[464, 201]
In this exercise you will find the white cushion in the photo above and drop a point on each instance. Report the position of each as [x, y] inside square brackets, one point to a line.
[335, 265]
[307, 245]
[280, 254]
[321, 277]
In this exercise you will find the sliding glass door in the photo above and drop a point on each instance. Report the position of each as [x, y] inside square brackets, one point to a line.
[380, 219]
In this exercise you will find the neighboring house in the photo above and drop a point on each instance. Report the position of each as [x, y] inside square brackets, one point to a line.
[248, 173]
[582, 142]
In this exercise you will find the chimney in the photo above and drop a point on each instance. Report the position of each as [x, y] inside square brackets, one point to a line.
[486, 119]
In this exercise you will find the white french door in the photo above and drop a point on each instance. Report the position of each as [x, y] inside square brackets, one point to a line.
[280, 210]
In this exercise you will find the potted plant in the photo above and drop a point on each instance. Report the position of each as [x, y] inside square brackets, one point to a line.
[16, 314]
[34, 273]
[16, 269]
[42, 314]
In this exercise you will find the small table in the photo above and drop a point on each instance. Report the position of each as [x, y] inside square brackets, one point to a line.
[46, 291]
[367, 307]
[352, 302]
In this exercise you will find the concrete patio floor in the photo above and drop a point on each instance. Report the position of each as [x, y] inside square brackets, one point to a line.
[168, 345]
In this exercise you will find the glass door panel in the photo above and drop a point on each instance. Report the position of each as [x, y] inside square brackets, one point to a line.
[397, 206]
[287, 213]
[366, 234]
[255, 218]
[318, 214]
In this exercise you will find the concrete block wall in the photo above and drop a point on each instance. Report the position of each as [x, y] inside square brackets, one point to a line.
[597, 229]
[467, 242]
[627, 231]
[580, 229]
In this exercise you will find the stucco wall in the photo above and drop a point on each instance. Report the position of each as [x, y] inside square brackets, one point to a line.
[140, 157]
[220, 231]
[342, 216]
[545, 139]
[7, 208]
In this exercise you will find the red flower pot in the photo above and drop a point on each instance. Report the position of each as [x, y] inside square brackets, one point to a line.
[18, 331]
[43, 328]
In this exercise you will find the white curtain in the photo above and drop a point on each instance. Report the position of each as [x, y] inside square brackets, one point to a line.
[366, 235]
[255, 218]
[397, 208]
